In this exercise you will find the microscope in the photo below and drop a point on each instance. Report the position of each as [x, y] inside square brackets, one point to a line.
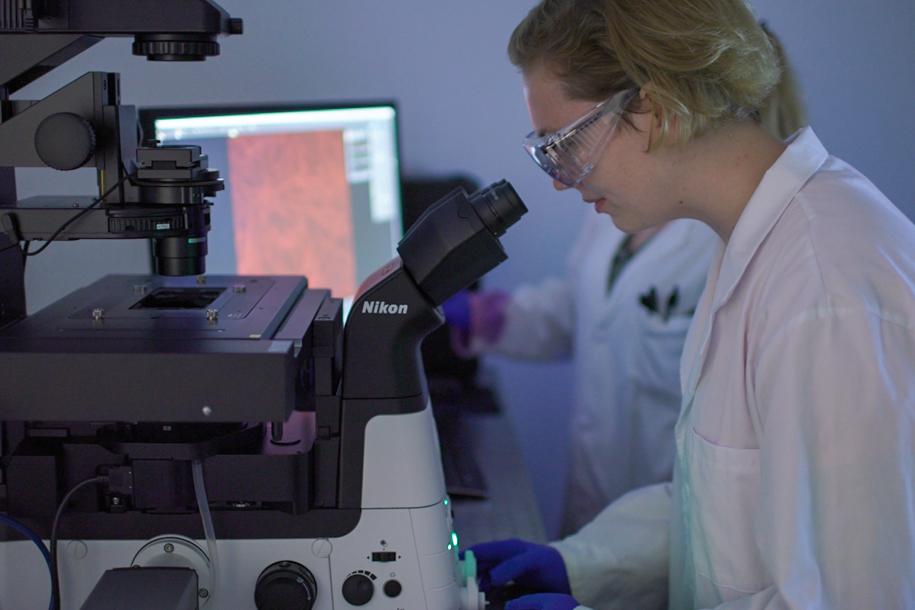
[189, 441]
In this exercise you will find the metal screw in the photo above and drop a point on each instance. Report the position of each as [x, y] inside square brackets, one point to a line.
[98, 313]
[203, 593]
[207, 410]
[239, 288]
[140, 288]
[77, 549]
[201, 280]
[212, 314]
[115, 501]
[169, 547]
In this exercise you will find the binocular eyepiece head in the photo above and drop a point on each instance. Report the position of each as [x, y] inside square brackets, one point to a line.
[456, 240]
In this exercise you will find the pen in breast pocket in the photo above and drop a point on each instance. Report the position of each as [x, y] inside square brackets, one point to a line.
[671, 304]
[649, 300]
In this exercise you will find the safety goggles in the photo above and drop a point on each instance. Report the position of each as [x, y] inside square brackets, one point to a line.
[569, 155]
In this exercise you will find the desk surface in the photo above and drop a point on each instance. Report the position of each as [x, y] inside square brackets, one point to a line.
[511, 509]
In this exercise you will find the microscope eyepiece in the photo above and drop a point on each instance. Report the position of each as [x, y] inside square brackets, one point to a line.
[456, 240]
[498, 206]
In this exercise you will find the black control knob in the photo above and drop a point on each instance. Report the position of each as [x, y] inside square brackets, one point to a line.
[65, 141]
[285, 585]
[358, 590]
[392, 588]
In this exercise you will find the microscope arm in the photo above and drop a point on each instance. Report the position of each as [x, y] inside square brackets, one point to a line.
[451, 245]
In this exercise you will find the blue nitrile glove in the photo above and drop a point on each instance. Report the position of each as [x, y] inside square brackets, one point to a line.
[543, 601]
[457, 311]
[536, 567]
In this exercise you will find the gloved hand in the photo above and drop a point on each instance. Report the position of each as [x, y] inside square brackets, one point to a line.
[475, 315]
[543, 601]
[457, 311]
[536, 567]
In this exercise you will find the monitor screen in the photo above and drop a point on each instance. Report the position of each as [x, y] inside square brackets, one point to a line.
[311, 191]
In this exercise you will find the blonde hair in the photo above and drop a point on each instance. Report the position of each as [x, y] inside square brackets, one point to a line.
[782, 113]
[701, 62]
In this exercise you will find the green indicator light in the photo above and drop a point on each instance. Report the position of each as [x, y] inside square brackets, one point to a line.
[163, 226]
[454, 538]
[196, 240]
[446, 501]
[450, 547]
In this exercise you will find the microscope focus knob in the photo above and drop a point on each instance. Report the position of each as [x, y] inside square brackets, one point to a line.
[358, 589]
[285, 585]
[175, 47]
[65, 141]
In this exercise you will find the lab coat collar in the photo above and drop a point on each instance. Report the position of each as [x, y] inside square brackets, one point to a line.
[802, 158]
[780, 184]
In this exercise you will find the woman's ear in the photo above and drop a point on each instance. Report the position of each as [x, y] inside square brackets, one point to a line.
[649, 108]
[648, 103]
[662, 121]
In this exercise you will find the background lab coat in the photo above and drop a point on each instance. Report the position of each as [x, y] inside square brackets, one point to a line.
[795, 477]
[627, 388]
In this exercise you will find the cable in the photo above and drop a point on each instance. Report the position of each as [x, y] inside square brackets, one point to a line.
[9, 247]
[78, 216]
[55, 577]
[25, 531]
[204, 505]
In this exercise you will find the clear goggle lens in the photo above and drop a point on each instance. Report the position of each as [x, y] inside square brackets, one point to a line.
[570, 154]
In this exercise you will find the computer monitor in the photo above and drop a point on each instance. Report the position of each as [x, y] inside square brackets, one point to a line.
[309, 190]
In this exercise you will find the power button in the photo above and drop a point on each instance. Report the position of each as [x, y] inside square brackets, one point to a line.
[392, 588]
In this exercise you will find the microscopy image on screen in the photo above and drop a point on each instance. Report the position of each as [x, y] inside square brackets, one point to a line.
[313, 192]
[291, 207]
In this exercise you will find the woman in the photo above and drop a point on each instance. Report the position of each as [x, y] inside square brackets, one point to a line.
[620, 314]
[794, 482]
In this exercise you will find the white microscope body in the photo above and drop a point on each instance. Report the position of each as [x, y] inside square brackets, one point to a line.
[402, 555]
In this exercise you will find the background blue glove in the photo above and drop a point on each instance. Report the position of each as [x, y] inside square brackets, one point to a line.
[543, 601]
[457, 311]
[536, 567]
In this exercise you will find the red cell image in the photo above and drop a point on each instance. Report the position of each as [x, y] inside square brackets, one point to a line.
[291, 208]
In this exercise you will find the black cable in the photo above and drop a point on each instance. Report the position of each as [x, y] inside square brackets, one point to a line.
[78, 216]
[55, 578]
[9, 247]
[28, 533]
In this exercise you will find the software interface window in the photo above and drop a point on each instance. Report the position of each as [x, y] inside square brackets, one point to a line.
[310, 192]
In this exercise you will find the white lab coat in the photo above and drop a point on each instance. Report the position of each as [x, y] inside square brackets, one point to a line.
[627, 388]
[795, 476]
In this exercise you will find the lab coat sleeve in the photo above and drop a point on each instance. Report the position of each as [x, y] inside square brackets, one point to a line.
[539, 322]
[835, 528]
[620, 559]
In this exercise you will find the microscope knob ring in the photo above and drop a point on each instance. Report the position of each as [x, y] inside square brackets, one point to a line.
[65, 141]
[175, 47]
[358, 589]
[285, 585]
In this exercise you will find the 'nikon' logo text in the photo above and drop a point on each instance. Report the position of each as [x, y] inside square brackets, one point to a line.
[382, 307]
